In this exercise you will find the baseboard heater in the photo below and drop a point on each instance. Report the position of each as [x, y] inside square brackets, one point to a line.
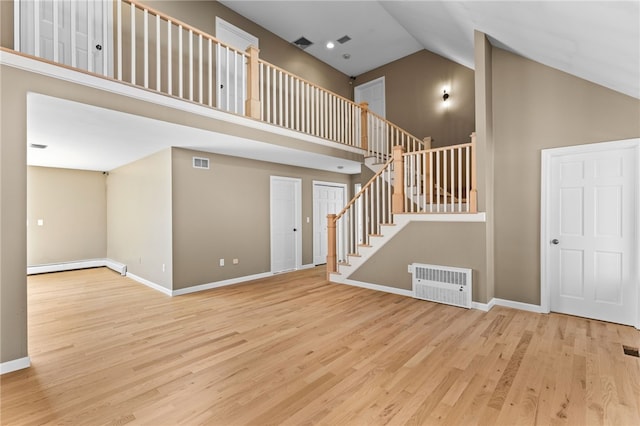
[443, 284]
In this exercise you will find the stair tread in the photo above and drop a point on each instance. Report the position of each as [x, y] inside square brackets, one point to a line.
[387, 224]
[364, 245]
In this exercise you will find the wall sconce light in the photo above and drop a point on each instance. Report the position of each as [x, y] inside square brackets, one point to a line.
[445, 96]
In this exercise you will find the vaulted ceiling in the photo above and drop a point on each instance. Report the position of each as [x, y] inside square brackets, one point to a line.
[598, 41]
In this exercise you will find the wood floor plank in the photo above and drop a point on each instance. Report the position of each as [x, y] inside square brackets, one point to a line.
[294, 349]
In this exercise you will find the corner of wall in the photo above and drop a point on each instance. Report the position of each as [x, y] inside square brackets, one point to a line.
[485, 149]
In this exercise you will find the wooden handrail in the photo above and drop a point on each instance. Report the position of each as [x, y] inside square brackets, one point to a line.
[363, 190]
[277, 68]
[444, 148]
[184, 25]
[396, 127]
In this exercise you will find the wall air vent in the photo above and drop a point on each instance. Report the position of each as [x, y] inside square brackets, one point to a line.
[200, 163]
[343, 39]
[303, 43]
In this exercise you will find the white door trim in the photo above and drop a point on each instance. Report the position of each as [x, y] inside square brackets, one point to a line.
[323, 183]
[298, 219]
[547, 156]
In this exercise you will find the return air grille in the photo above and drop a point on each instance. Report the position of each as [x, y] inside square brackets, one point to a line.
[442, 284]
[200, 163]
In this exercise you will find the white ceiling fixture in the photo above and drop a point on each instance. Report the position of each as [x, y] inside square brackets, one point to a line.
[598, 41]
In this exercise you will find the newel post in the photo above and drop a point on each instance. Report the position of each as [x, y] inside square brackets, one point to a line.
[364, 126]
[473, 193]
[397, 201]
[252, 104]
[331, 248]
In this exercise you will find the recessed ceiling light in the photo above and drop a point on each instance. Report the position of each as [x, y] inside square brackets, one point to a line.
[38, 146]
[330, 45]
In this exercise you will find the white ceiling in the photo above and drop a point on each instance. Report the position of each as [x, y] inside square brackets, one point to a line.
[595, 40]
[85, 137]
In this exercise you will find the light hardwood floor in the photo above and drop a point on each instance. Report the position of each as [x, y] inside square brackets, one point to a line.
[294, 349]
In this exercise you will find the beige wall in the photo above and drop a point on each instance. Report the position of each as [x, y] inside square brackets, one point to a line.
[223, 213]
[414, 97]
[273, 49]
[438, 243]
[6, 23]
[139, 217]
[73, 207]
[537, 107]
[13, 230]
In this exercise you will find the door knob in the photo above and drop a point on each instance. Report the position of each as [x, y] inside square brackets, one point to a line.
[98, 47]
[294, 229]
[555, 241]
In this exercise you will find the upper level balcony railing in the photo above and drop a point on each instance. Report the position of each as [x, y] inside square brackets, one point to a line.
[132, 43]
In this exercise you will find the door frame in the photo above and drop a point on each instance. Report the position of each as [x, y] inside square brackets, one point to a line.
[547, 155]
[298, 219]
[345, 193]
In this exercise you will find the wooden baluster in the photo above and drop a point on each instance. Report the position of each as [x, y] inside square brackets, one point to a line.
[331, 248]
[428, 186]
[210, 51]
[364, 133]
[119, 17]
[158, 57]
[398, 185]
[145, 50]
[133, 44]
[169, 57]
[473, 202]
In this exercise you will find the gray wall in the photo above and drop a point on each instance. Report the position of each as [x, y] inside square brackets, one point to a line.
[459, 244]
[537, 107]
[413, 87]
[73, 207]
[224, 212]
[139, 217]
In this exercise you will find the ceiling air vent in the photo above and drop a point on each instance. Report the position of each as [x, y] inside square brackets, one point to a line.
[302, 43]
[343, 39]
[200, 163]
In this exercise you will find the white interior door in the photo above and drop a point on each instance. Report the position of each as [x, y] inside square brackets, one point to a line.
[286, 232]
[77, 33]
[328, 198]
[231, 68]
[591, 239]
[372, 92]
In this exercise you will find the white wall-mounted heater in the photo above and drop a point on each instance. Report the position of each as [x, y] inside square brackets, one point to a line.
[443, 284]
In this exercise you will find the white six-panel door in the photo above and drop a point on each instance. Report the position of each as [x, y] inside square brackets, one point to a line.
[71, 32]
[286, 240]
[328, 198]
[591, 233]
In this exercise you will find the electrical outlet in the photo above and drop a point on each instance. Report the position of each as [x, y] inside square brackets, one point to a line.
[236, 261]
[40, 222]
[164, 269]
[409, 269]
[221, 262]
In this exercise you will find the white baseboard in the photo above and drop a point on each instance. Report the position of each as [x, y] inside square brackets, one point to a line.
[309, 266]
[486, 307]
[15, 365]
[376, 287]
[80, 264]
[518, 305]
[150, 284]
[222, 283]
